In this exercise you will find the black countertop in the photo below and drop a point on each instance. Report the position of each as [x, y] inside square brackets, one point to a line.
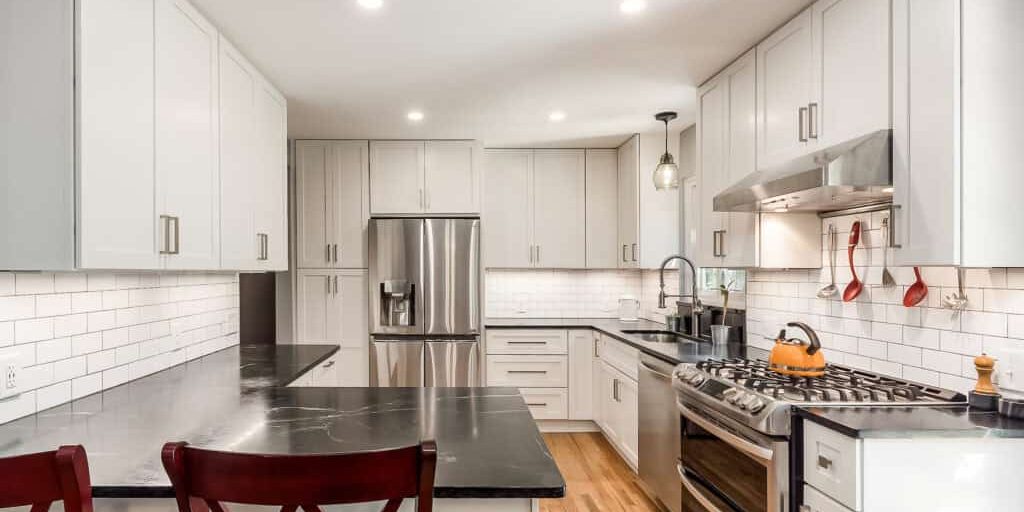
[914, 422]
[695, 351]
[488, 443]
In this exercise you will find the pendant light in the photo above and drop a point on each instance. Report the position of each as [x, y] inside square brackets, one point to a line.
[666, 175]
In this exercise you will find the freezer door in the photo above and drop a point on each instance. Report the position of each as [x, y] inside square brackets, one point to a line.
[452, 277]
[452, 364]
[396, 276]
[396, 363]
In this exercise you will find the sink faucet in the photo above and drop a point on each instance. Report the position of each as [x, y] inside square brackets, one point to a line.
[697, 308]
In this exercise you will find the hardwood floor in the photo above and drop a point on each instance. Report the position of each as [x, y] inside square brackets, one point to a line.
[596, 478]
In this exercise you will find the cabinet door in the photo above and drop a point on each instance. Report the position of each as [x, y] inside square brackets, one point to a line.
[739, 242]
[347, 323]
[629, 204]
[581, 375]
[271, 209]
[452, 182]
[353, 368]
[312, 175]
[239, 161]
[602, 208]
[629, 418]
[507, 219]
[711, 150]
[396, 177]
[116, 221]
[784, 82]
[609, 414]
[926, 85]
[852, 54]
[314, 290]
[559, 211]
[187, 135]
[348, 203]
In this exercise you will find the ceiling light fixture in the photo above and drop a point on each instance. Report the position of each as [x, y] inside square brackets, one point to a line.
[415, 115]
[371, 4]
[666, 175]
[557, 116]
[632, 6]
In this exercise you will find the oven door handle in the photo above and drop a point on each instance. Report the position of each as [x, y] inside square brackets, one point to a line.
[761, 454]
[695, 492]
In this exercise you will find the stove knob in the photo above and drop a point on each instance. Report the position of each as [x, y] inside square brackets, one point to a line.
[755, 406]
[697, 380]
[748, 401]
[735, 398]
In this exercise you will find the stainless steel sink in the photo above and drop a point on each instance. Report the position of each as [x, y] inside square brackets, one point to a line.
[657, 336]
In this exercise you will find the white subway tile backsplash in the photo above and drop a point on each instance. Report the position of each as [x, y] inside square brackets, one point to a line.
[925, 338]
[921, 375]
[941, 361]
[992, 324]
[77, 333]
[904, 355]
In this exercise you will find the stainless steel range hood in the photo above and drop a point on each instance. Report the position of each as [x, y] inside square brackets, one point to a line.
[855, 173]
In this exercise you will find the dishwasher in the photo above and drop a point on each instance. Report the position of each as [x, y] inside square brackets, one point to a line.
[659, 432]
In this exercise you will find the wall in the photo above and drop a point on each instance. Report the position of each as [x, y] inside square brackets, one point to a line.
[927, 343]
[79, 333]
[527, 293]
[659, 210]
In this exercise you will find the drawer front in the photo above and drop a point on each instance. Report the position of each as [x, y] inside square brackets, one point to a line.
[528, 371]
[815, 501]
[547, 403]
[832, 464]
[622, 357]
[527, 341]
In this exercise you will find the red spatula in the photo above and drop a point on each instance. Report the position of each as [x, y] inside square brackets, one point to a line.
[855, 287]
[917, 291]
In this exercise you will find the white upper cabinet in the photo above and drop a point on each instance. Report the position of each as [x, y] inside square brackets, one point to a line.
[956, 128]
[331, 203]
[417, 177]
[852, 75]
[396, 177]
[451, 178]
[711, 156]
[629, 204]
[559, 211]
[602, 214]
[130, 119]
[508, 205]
[785, 70]
[187, 135]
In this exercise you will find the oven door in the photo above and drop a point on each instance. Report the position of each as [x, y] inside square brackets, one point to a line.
[725, 467]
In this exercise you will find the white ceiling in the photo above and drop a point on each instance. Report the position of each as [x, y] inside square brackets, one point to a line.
[491, 69]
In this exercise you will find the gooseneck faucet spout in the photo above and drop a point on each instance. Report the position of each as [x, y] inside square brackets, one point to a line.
[697, 308]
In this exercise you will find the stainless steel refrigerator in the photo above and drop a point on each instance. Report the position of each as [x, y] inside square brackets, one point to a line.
[425, 302]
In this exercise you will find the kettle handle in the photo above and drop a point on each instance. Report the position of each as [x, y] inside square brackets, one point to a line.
[811, 336]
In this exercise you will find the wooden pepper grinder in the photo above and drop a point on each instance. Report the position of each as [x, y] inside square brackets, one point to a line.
[985, 396]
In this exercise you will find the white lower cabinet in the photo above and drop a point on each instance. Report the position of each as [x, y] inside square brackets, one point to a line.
[347, 367]
[331, 308]
[582, 354]
[546, 403]
[815, 501]
[527, 371]
[619, 412]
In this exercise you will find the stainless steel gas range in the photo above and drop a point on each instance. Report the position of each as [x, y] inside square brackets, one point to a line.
[735, 451]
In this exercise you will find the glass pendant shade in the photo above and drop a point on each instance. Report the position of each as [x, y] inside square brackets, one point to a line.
[666, 175]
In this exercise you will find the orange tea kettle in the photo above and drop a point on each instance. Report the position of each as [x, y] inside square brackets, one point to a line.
[794, 357]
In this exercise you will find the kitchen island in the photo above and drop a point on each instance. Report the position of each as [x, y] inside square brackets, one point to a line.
[489, 447]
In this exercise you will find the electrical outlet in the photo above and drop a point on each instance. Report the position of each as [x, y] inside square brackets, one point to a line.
[10, 373]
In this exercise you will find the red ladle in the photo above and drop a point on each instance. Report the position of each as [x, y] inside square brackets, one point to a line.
[855, 287]
[917, 291]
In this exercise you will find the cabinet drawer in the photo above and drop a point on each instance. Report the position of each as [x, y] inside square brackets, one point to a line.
[547, 403]
[815, 501]
[832, 464]
[622, 357]
[527, 341]
[528, 371]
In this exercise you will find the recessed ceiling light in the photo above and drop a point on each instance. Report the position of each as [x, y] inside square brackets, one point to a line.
[415, 115]
[371, 4]
[632, 6]
[556, 116]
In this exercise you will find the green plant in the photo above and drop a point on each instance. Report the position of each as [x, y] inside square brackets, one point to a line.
[725, 290]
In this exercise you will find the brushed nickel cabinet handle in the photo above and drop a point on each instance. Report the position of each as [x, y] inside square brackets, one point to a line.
[625, 247]
[532, 372]
[801, 115]
[812, 121]
[177, 234]
[514, 342]
[536, 404]
[328, 253]
[165, 221]
[327, 283]
[329, 364]
[335, 285]
[615, 390]
[634, 252]
[335, 253]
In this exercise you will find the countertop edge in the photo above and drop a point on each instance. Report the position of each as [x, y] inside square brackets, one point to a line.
[333, 350]
[143, 492]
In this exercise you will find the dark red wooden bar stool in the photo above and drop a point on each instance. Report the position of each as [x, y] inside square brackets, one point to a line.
[39, 479]
[207, 478]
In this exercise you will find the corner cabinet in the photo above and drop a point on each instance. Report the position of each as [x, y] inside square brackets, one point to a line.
[110, 171]
[956, 128]
[424, 177]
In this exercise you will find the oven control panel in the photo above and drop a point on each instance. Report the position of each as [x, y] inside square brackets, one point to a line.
[737, 397]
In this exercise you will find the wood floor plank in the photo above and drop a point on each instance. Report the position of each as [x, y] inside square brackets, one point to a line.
[596, 477]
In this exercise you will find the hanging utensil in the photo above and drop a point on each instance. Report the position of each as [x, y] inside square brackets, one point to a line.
[957, 300]
[917, 291]
[830, 290]
[856, 286]
[887, 280]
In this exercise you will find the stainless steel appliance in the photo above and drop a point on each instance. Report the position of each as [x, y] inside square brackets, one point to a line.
[659, 431]
[424, 296]
[735, 426]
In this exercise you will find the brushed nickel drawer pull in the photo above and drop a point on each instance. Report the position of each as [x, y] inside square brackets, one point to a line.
[536, 404]
[538, 372]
